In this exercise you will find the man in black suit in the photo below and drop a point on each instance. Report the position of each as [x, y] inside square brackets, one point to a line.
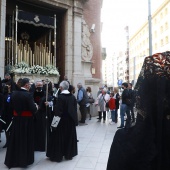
[124, 107]
[20, 150]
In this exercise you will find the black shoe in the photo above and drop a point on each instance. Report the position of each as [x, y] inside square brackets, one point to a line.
[81, 121]
[67, 158]
[119, 127]
[90, 117]
[99, 120]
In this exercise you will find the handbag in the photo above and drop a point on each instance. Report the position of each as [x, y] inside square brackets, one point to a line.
[91, 100]
[55, 121]
[107, 103]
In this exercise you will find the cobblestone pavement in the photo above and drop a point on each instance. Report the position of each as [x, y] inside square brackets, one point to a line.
[95, 140]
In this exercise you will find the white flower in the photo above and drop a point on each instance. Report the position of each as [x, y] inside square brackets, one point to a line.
[35, 69]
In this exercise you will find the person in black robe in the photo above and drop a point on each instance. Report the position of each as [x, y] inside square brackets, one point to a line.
[1, 108]
[146, 146]
[7, 112]
[39, 119]
[45, 119]
[63, 139]
[20, 150]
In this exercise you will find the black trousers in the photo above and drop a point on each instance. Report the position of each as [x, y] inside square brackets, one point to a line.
[83, 111]
[116, 110]
[104, 115]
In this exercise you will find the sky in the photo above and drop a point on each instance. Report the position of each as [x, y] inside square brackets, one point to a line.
[116, 14]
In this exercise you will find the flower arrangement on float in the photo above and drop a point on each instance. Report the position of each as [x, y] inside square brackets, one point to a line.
[23, 68]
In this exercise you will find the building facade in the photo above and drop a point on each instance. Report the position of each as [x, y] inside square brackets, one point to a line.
[72, 43]
[139, 42]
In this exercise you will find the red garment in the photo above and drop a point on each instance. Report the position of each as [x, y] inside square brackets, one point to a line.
[24, 113]
[112, 103]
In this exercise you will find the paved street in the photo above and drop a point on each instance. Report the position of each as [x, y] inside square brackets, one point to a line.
[93, 149]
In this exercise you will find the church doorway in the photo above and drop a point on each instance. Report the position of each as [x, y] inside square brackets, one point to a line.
[34, 35]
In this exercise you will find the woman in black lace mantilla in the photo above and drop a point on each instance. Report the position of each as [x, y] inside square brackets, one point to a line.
[146, 145]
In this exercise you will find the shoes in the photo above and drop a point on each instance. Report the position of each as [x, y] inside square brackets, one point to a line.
[119, 127]
[103, 121]
[99, 120]
[81, 121]
[90, 117]
[67, 158]
[111, 123]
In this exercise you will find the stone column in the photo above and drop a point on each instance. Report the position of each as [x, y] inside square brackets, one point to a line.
[77, 41]
[69, 44]
[2, 36]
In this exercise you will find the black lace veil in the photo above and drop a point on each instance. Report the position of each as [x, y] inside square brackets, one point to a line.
[146, 145]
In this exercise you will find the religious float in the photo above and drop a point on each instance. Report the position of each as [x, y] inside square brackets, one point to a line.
[32, 55]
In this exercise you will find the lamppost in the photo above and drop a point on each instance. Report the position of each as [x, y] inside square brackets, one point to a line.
[150, 27]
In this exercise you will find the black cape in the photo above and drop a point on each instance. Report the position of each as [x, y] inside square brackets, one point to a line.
[63, 140]
[20, 151]
[146, 146]
[39, 123]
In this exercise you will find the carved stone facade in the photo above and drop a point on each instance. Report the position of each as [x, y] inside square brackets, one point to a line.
[87, 48]
[79, 49]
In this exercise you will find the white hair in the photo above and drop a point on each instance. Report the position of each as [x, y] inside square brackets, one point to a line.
[64, 85]
[39, 82]
[79, 84]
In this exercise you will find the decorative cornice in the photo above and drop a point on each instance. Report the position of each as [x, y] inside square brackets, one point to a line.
[59, 3]
[78, 8]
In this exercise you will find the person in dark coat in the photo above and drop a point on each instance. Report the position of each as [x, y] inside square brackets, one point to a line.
[20, 150]
[117, 97]
[1, 108]
[7, 112]
[63, 140]
[8, 80]
[39, 120]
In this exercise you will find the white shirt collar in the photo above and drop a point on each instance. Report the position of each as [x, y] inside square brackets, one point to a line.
[65, 92]
[24, 88]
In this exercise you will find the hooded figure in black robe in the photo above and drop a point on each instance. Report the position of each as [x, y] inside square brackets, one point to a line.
[146, 146]
[20, 150]
[63, 139]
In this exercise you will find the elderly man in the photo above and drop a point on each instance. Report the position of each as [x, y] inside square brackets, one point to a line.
[82, 100]
[63, 140]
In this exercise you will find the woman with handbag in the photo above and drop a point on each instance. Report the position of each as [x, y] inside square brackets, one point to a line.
[91, 100]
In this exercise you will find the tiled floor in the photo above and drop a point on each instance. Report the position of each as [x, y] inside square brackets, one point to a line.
[93, 149]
